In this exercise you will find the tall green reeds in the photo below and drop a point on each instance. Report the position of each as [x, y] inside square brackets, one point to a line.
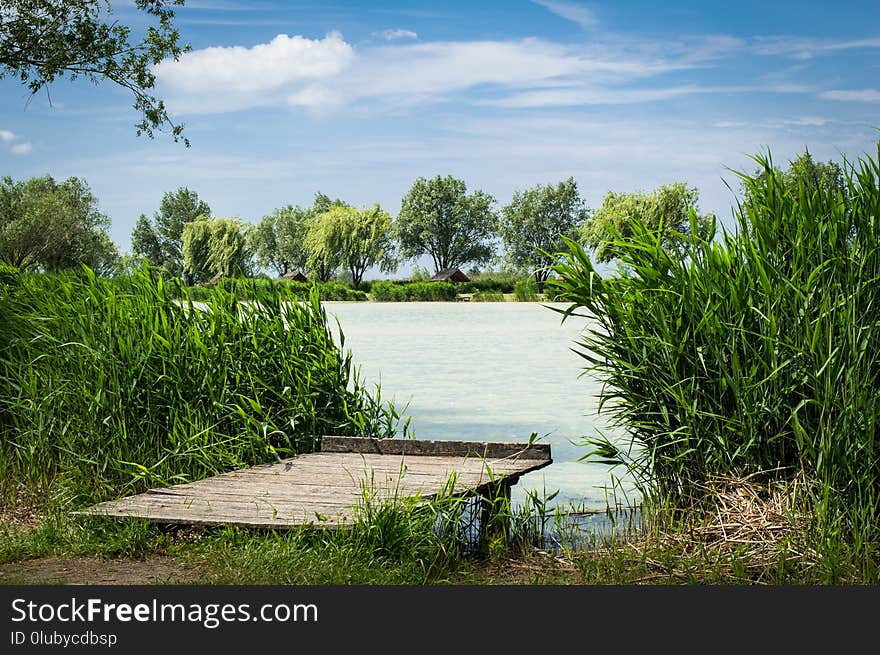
[758, 353]
[109, 387]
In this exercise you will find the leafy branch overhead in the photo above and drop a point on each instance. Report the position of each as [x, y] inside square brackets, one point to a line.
[44, 40]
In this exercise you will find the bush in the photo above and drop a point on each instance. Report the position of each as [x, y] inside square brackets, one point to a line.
[492, 282]
[525, 290]
[393, 291]
[249, 288]
[487, 296]
[111, 387]
[758, 354]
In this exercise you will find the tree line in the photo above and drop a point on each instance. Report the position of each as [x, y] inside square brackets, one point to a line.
[48, 226]
[438, 219]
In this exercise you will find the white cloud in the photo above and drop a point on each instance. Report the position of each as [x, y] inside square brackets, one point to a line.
[393, 35]
[6, 135]
[21, 148]
[570, 11]
[611, 96]
[329, 73]
[777, 123]
[218, 79]
[803, 48]
[857, 95]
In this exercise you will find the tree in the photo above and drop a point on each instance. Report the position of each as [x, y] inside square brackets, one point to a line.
[215, 246]
[355, 238]
[530, 226]
[160, 241]
[439, 219]
[812, 175]
[321, 262]
[666, 210]
[47, 226]
[278, 240]
[43, 40]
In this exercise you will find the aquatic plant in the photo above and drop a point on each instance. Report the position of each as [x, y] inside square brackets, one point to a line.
[756, 355]
[110, 387]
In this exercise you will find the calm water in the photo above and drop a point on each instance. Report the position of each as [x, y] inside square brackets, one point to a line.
[486, 372]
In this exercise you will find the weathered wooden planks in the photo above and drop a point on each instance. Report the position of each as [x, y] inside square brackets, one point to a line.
[326, 488]
[487, 450]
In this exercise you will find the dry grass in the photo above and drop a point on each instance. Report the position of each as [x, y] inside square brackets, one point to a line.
[758, 525]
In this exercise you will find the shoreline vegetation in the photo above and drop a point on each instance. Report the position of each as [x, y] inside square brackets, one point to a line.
[741, 367]
[483, 288]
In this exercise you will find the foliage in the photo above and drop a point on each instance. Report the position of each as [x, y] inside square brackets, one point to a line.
[47, 226]
[526, 291]
[287, 289]
[438, 218]
[215, 247]
[387, 291]
[531, 224]
[497, 282]
[43, 40]
[355, 238]
[804, 170]
[160, 241]
[321, 262]
[487, 296]
[278, 240]
[758, 355]
[111, 387]
[665, 211]
[420, 274]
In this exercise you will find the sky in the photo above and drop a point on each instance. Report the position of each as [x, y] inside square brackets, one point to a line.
[281, 100]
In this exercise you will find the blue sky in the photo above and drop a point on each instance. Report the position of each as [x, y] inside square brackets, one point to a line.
[357, 99]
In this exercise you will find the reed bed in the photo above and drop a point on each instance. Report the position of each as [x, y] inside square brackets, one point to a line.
[754, 355]
[111, 387]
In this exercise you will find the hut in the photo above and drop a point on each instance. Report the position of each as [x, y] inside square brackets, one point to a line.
[450, 275]
[295, 276]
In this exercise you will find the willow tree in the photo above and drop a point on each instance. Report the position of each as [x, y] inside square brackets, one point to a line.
[665, 212]
[215, 247]
[532, 224]
[355, 239]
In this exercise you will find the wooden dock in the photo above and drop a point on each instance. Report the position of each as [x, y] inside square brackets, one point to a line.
[324, 489]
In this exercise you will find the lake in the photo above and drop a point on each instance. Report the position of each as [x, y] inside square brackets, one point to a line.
[487, 371]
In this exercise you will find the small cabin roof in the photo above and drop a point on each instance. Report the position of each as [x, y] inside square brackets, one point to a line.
[450, 275]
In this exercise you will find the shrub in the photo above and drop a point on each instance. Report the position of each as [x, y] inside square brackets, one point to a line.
[487, 296]
[525, 290]
[392, 291]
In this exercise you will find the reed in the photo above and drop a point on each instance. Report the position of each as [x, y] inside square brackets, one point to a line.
[756, 356]
[111, 387]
